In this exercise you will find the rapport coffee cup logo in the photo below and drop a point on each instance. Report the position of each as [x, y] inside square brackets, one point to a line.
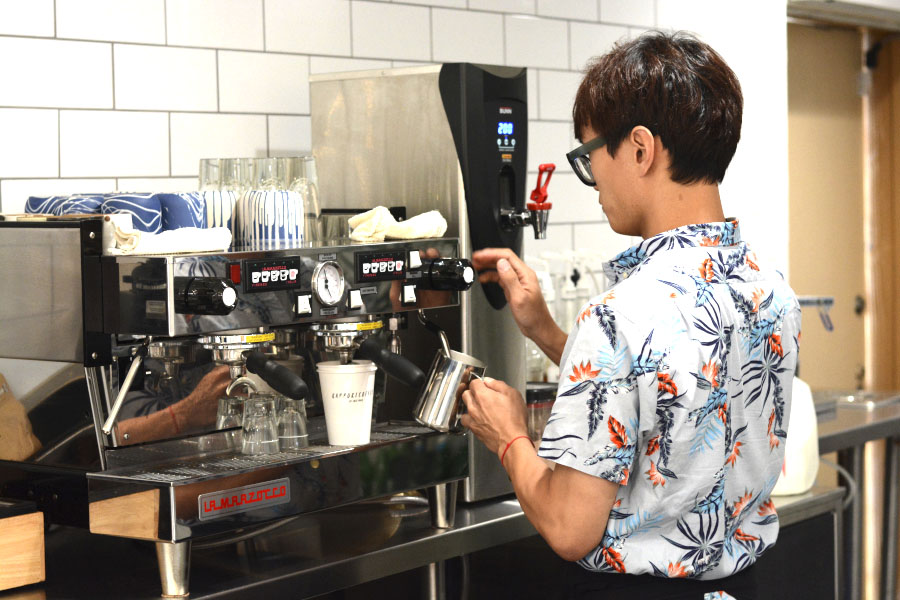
[352, 396]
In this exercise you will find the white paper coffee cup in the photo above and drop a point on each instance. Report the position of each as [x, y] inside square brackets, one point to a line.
[347, 392]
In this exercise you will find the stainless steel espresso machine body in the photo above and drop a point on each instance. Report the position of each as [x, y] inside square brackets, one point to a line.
[451, 138]
[123, 455]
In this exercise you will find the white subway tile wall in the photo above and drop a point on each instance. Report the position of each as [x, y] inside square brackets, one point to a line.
[27, 18]
[290, 136]
[197, 135]
[483, 31]
[263, 82]
[391, 31]
[588, 40]
[557, 93]
[578, 10]
[233, 24]
[167, 82]
[311, 26]
[160, 78]
[139, 21]
[525, 7]
[629, 12]
[29, 143]
[104, 143]
[55, 74]
[537, 42]
[332, 64]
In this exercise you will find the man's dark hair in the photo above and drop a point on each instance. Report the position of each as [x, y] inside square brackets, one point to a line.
[676, 86]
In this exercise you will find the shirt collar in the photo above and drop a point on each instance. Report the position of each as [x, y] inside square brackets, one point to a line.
[725, 233]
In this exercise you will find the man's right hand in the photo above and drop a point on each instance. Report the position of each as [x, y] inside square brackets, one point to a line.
[523, 293]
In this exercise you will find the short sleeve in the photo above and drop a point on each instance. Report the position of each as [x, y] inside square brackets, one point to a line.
[594, 423]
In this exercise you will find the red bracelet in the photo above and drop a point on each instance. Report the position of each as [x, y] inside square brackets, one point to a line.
[502, 456]
[174, 420]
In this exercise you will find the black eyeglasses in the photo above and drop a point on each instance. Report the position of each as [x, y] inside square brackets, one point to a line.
[580, 160]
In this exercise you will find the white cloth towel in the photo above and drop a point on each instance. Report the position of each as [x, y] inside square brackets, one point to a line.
[377, 224]
[174, 241]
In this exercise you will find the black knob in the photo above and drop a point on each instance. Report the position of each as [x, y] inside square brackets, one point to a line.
[204, 296]
[446, 274]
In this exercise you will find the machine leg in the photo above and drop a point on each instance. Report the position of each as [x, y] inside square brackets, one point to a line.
[852, 460]
[174, 568]
[436, 581]
[889, 543]
[442, 502]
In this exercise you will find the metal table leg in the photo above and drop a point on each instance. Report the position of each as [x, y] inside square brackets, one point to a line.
[436, 581]
[889, 543]
[852, 460]
[174, 568]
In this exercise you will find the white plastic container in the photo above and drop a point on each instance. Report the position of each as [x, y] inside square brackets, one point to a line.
[801, 450]
[347, 392]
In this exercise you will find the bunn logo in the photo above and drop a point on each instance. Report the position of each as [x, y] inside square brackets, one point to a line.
[243, 499]
[505, 110]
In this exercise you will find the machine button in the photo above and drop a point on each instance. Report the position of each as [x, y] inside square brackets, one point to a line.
[415, 261]
[409, 294]
[303, 306]
[355, 300]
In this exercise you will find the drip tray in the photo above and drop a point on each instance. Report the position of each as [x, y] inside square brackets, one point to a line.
[169, 465]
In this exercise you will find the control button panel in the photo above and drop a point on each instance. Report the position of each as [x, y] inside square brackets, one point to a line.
[269, 275]
[380, 266]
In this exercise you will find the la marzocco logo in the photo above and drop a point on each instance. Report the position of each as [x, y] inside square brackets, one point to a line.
[505, 110]
[243, 499]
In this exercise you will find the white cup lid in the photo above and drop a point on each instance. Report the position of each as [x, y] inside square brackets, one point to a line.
[335, 367]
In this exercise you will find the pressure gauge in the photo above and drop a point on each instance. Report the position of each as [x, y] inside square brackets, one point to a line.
[328, 283]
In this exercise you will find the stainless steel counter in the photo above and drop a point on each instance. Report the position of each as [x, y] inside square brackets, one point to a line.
[847, 424]
[313, 554]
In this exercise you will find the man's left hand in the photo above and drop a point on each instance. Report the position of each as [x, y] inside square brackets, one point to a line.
[496, 413]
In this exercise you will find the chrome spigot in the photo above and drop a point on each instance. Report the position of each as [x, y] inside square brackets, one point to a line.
[539, 208]
[538, 213]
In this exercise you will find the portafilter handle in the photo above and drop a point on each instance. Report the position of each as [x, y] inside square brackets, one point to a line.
[393, 364]
[280, 378]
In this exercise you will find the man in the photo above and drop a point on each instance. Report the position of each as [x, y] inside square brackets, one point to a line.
[667, 435]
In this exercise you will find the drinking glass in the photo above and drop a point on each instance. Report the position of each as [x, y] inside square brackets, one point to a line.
[231, 176]
[266, 174]
[231, 412]
[292, 434]
[260, 431]
[209, 174]
[300, 176]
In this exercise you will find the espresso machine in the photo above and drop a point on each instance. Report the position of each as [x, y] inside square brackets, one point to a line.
[451, 138]
[130, 446]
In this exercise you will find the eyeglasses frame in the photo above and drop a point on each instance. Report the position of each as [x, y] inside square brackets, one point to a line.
[582, 153]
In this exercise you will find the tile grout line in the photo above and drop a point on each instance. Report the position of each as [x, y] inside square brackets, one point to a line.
[265, 41]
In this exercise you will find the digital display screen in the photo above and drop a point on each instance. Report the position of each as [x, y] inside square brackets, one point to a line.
[268, 275]
[505, 128]
[380, 266]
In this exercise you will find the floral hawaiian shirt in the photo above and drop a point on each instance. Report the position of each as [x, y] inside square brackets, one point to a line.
[676, 384]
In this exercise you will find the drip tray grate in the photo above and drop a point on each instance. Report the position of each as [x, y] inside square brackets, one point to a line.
[211, 466]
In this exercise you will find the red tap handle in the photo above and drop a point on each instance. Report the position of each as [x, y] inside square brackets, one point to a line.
[539, 193]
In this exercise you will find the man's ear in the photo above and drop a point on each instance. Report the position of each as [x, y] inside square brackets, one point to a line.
[643, 149]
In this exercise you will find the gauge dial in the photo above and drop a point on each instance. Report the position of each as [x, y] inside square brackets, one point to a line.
[328, 283]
